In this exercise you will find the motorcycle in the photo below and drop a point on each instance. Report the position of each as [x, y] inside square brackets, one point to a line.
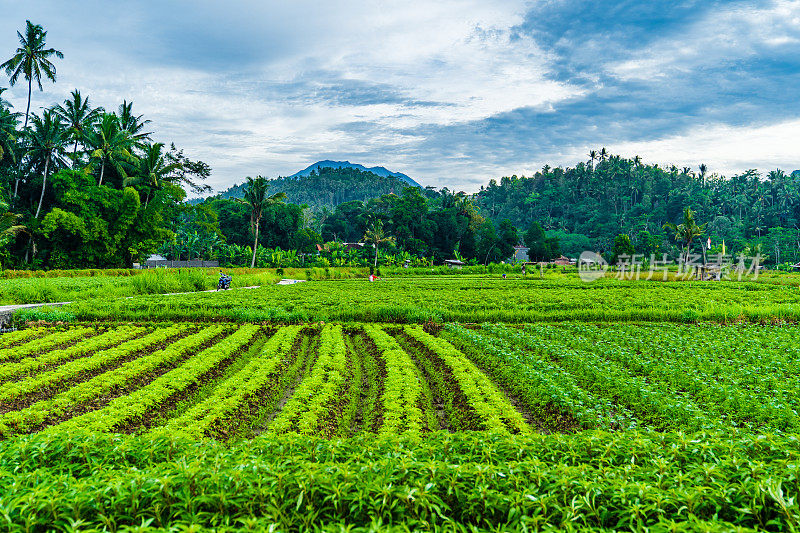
[224, 282]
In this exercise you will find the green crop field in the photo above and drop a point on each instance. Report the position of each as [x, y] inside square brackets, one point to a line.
[117, 425]
[465, 299]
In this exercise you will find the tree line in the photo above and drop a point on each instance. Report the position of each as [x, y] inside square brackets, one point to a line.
[586, 207]
[83, 186]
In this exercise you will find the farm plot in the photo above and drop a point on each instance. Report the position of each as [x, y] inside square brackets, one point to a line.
[226, 381]
[656, 376]
[229, 381]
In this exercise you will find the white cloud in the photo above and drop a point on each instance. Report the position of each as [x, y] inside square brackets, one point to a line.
[722, 35]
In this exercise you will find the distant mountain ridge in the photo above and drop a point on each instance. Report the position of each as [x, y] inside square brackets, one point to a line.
[380, 171]
[330, 183]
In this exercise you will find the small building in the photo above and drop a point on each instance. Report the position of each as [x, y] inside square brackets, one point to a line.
[159, 261]
[353, 245]
[563, 261]
[520, 254]
[454, 263]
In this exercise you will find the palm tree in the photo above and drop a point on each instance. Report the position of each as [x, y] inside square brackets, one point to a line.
[151, 170]
[375, 235]
[131, 123]
[48, 139]
[592, 157]
[686, 232]
[79, 116]
[3, 102]
[110, 145]
[31, 61]
[603, 154]
[703, 169]
[255, 195]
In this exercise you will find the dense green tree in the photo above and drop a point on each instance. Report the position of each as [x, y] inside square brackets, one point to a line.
[540, 246]
[8, 135]
[647, 244]
[79, 116]
[131, 123]
[376, 237]
[151, 170]
[686, 232]
[47, 147]
[622, 247]
[110, 146]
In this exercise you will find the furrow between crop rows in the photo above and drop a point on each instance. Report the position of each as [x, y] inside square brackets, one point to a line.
[233, 402]
[322, 393]
[29, 365]
[100, 390]
[128, 413]
[22, 394]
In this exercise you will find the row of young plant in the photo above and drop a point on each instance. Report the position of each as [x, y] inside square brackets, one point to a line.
[403, 389]
[309, 410]
[490, 405]
[652, 403]
[233, 400]
[48, 341]
[19, 336]
[745, 376]
[129, 412]
[88, 394]
[463, 299]
[33, 363]
[20, 392]
[550, 393]
[598, 481]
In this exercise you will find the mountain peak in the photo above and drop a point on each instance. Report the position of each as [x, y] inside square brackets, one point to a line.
[380, 171]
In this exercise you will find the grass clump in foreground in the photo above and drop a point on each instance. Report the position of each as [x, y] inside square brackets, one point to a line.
[470, 481]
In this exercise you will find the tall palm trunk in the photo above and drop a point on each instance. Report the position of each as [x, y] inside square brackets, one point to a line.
[28, 109]
[44, 183]
[75, 155]
[102, 170]
[376, 257]
[255, 247]
[27, 114]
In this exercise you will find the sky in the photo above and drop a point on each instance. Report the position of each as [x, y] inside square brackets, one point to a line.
[451, 92]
